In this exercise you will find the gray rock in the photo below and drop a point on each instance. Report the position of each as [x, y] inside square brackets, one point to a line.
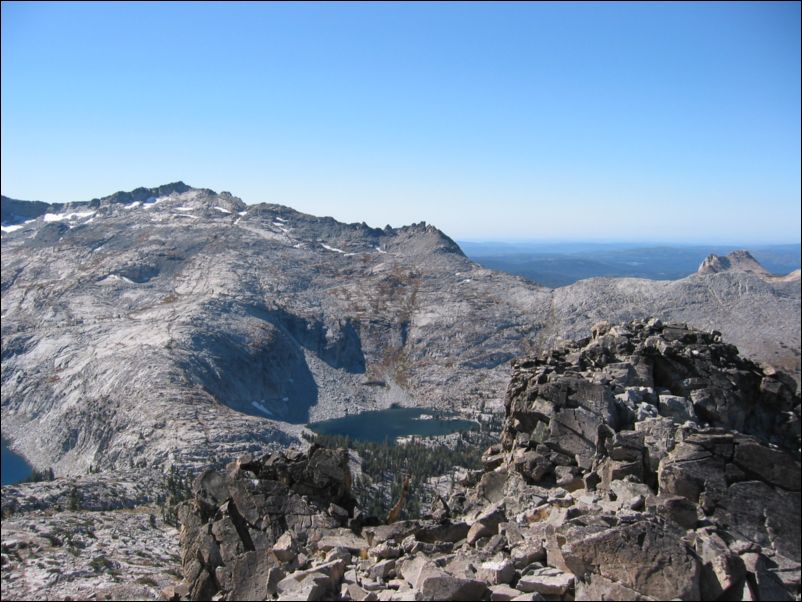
[305, 586]
[495, 572]
[503, 592]
[382, 570]
[312, 584]
[283, 549]
[445, 531]
[395, 532]
[438, 585]
[722, 570]
[385, 550]
[679, 409]
[355, 592]
[412, 568]
[644, 556]
[767, 585]
[486, 524]
[680, 510]
[341, 538]
[546, 581]
[528, 552]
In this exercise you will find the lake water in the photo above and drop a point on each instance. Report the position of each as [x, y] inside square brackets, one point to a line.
[13, 468]
[388, 424]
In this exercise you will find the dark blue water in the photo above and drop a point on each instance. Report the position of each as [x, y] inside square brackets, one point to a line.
[13, 468]
[389, 424]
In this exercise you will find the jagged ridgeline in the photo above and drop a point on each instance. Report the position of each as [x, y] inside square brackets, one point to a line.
[168, 326]
[646, 462]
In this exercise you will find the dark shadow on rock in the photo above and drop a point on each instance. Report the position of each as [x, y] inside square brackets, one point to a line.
[340, 348]
[263, 375]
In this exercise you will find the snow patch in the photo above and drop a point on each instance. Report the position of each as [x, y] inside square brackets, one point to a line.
[382, 251]
[58, 217]
[10, 228]
[242, 213]
[262, 408]
[222, 210]
[280, 219]
[184, 208]
[328, 248]
[115, 278]
[133, 205]
[152, 202]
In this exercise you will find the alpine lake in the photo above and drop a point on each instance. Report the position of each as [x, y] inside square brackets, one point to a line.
[387, 425]
[14, 468]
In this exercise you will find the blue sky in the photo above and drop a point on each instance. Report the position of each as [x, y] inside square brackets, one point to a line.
[655, 122]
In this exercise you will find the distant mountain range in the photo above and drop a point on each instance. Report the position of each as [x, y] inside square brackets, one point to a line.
[172, 325]
[560, 264]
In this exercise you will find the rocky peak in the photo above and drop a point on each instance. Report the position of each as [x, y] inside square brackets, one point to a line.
[741, 261]
[424, 238]
[142, 194]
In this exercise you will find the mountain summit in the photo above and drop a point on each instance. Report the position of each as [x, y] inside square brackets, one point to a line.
[741, 261]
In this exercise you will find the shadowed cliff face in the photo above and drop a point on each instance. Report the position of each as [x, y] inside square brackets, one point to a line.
[166, 325]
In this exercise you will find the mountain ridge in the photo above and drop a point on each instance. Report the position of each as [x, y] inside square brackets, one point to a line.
[14, 211]
[235, 323]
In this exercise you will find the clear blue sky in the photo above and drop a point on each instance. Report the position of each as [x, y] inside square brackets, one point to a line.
[662, 122]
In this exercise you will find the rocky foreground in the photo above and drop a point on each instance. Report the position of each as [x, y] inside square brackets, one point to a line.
[648, 462]
[83, 555]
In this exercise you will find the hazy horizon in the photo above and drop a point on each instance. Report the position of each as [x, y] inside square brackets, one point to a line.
[620, 122]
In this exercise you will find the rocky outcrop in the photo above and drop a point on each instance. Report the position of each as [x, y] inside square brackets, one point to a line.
[689, 453]
[742, 261]
[244, 523]
[647, 462]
